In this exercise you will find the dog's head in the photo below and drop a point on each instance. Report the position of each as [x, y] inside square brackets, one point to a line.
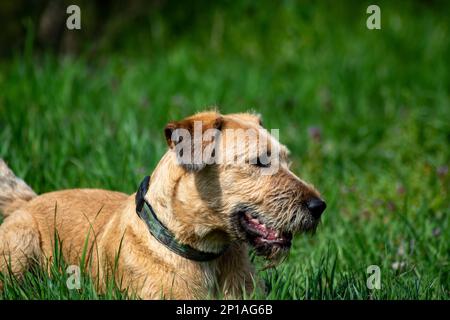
[235, 184]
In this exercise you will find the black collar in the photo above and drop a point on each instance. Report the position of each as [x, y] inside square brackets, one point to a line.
[162, 234]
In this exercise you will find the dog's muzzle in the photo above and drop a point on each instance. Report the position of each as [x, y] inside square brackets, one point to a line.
[270, 241]
[265, 239]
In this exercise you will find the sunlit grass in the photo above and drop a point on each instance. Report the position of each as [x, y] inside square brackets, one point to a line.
[366, 116]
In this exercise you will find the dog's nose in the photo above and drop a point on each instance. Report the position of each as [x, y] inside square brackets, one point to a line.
[316, 206]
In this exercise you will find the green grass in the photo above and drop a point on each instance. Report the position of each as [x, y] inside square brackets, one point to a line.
[380, 100]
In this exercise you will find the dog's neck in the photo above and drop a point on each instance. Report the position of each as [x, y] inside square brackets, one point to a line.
[160, 190]
[166, 182]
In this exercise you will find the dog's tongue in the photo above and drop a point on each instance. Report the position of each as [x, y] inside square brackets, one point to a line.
[268, 233]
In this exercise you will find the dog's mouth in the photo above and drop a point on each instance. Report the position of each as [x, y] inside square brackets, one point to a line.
[267, 241]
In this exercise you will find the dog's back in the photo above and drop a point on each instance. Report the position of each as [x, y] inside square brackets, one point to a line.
[75, 218]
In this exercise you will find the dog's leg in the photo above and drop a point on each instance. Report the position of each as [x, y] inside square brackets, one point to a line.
[237, 276]
[167, 284]
[19, 243]
[241, 283]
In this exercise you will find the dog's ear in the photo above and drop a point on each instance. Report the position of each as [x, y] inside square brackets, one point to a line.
[194, 139]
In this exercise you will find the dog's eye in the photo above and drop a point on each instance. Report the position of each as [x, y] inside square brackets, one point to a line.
[262, 162]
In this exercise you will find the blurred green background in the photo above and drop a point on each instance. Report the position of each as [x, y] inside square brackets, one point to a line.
[365, 114]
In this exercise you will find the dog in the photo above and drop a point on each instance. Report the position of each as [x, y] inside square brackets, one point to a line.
[187, 231]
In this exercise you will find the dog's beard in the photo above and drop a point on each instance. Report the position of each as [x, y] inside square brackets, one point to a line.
[270, 239]
[268, 251]
[267, 242]
[274, 257]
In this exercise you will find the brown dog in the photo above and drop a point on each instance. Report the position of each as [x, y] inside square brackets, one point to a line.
[185, 233]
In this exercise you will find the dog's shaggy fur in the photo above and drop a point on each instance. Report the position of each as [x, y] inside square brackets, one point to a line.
[208, 207]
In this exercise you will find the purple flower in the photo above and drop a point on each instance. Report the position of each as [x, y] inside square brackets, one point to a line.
[436, 232]
[442, 171]
[315, 133]
[401, 189]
